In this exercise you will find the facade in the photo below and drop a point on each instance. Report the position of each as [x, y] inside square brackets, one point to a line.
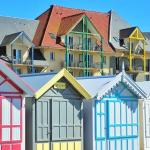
[86, 43]
[132, 47]
[113, 120]
[55, 112]
[16, 46]
[91, 43]
[12, 110]
[74, 39]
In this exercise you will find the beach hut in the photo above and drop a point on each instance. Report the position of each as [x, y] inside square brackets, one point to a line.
[54, 116]
[12, 110]
[146, 114]
[112, 119]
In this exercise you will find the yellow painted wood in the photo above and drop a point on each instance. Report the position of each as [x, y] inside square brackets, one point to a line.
[56, 146]
[64, 146]
[57, 77]
[136, 34]
[130, 55]
[38, 146]
[46, 146]
[77, 145]
[144, 55]
[71, 146]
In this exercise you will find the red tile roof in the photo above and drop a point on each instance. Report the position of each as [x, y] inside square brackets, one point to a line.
[68, 22]
[52, 20]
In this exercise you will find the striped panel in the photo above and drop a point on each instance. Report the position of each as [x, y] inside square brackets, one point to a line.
[66, 146]
[63, 146]
[42, 146]
[38, 146]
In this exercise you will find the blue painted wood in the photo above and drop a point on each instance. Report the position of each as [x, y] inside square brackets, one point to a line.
[120, 120]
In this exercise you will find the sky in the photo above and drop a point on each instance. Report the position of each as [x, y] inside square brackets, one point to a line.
[136, 12]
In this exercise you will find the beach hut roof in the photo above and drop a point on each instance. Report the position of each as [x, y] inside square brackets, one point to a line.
[15, 79]
[42, 82]
[101, 85]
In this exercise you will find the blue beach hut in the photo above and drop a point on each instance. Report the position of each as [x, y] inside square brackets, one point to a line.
[112, 120]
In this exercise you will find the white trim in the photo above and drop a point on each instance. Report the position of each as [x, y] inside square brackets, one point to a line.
[122, 77]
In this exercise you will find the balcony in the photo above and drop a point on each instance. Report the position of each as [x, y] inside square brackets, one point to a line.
[40, 63]
[83, 42]
[30, 62]
[81, 65]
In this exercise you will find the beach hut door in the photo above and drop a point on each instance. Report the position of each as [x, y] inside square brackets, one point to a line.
[117, 124]
[147, 125]
[10, 123]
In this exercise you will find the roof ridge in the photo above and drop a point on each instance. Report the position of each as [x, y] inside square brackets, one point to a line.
[38, 74]
[19, 18]
[84, 10]
[77, 14]
[95, 77]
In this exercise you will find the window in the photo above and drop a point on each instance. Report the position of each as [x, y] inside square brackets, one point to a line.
[89, 44]
[71, 42]
[17, 56]
[80, 58]
[70, 59]
[117, 63]
[148, 65]
[146, 77]
[11, 120]
[105, 59]
[52, 56]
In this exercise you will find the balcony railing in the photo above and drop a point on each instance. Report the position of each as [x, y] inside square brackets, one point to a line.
[83, 65]
[19, 61]
[40, 63]
[80, 47]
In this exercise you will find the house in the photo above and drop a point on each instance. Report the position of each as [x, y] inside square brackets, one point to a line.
[91, 43]
[75, 39]
[113, 119]
[16, 46]
[54, 115]
[12, 109]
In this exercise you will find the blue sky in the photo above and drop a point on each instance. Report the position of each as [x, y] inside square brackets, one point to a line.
[136, 12]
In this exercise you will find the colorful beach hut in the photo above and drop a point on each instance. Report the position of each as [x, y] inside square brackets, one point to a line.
[112, 119]
[146, 115]
[12, 110]
[54, 116]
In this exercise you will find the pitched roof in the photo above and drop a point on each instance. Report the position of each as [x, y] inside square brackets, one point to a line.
[147, 38]
[117, 23]
[147, 35]
[68, 22]
[10, 38]
[46, 81]
[16, 79]
[100, 86]
[50, 22]
[10, 25]
[125, 33]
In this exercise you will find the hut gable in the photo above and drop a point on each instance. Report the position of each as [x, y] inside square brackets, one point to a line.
[121, 91]
[11, 83]
[127, 81]
[65, 92]
[56, 82]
